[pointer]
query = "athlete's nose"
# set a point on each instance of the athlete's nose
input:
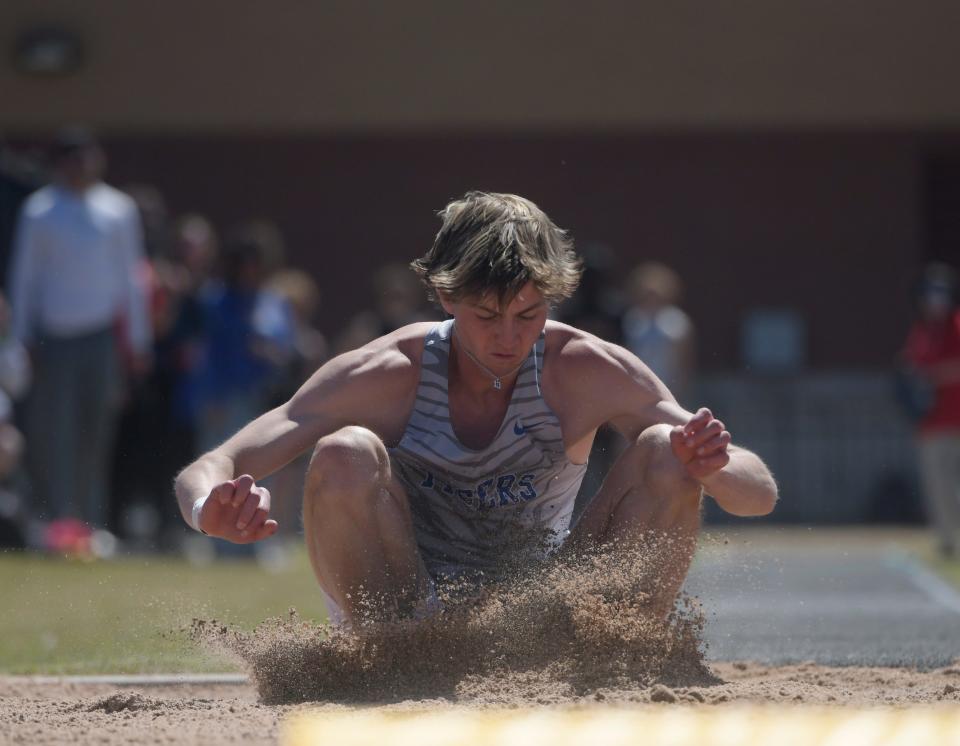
(509, 333)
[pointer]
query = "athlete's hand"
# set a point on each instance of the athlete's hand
(238, 511)
(701, 444)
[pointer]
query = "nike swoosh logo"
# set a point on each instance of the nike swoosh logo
(518, 429)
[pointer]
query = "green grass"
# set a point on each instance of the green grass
(62, 616)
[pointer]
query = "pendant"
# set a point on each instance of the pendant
(496, 384)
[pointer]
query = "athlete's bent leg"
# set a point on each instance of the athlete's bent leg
(648, 497)
(358, 529)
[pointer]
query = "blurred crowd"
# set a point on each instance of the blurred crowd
(929, 391)
(132, 340)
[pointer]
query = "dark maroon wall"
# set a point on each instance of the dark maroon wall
(828, 224)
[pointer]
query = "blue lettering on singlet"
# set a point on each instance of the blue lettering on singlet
(528, 492)
(484, 500)
(469, 498)
(499, 491)
(504, 484)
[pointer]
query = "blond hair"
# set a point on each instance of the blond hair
(497, 243)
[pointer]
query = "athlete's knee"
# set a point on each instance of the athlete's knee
(661, 471)
(347, 463)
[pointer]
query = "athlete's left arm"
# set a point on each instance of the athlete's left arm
(631, 398)
(736, 478)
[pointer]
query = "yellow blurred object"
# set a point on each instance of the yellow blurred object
(668, 726)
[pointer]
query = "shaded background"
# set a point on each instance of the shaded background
(800, 158)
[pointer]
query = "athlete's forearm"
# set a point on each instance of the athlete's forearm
(744, 487)
(199, 478)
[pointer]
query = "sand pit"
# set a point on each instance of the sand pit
(57, 713)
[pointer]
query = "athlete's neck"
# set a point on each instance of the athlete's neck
(476, 377)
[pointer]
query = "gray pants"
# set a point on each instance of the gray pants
(939, 457)
(72, 416)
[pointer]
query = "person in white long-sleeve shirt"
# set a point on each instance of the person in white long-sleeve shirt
(77, 294)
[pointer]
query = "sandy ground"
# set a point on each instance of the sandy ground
(578, 634)
(56, 713)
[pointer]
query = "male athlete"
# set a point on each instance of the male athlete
(432, 444)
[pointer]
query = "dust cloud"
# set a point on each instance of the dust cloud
(574, 625)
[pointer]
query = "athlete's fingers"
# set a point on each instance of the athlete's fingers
(222, 493)
(259, 518)
(678, 442)
(698, 421)
(260, 515)
(268, 529)
(711, 430)
(716, 443)
(253, 502)
(242, 485)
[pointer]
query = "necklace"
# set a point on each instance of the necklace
(497, 383)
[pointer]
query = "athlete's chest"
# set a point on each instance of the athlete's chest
(476, 421)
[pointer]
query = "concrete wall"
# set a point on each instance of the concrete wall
(428, 65)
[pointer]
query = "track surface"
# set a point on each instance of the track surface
(831, 602)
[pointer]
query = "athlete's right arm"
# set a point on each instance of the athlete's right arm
(218, 494)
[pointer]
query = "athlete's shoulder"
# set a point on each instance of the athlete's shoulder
(567, 346)
(372, 385)
(395, 354)
(590, 379)
(407, 341)
(581, 373)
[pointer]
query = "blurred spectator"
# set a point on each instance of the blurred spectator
(155, 218)
(249, 340)
(194, 253)
(169, 405)
(656, 330)
(310, 349)
(597, 306)
(14, 381)
(15, 378)
(398, 300)
(141, 508)
(75, 282)
(932, 355)
(269, 240)
(181, 344)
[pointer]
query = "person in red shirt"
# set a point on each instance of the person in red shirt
(932, 354)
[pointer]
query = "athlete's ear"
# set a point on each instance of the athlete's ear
(446, 302)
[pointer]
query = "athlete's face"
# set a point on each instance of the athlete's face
(499, 337)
